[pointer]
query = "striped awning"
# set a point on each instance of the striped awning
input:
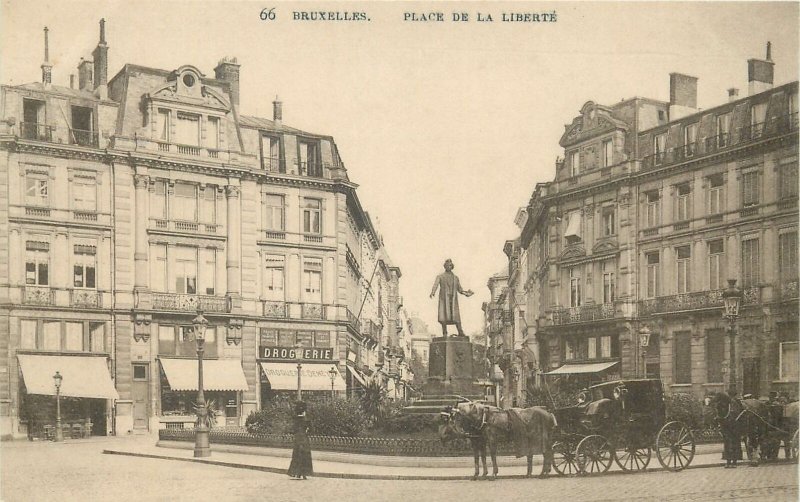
(218, 374)
(82, 376)
(572, 369)
(357, 375)
(313, 376)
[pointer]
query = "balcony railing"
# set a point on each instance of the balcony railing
(370, 328)
(83, 138)
(38, 295)
(36, 131)
(698, 300)
(353, 321)
(185, 226)
(312, 311)
(272, 165)
(276, 235)
(310, 168)
(190, 303)
(789, 290)
(584, 313)
(39, 212)
(85, 298)
(276, 309)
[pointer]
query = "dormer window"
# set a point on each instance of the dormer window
(309, 158)
(187, 131)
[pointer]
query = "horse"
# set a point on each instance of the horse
(741, 419)
(486, 426)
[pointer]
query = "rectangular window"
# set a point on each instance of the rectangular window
(689, 139)
(605, 346)
(271, 154)
(166, 339)
(208, 271)
(574, 287)
(609, 221)
(27, 334)
(715, 194)
(715, 355)
(185, 270)
(185, 207)
(84, 267)
(186, 343)
(312, 214)
(305, 338)
(682, 341)
(570, 349)
(51, 335)
(788, 362)
(716, 264)
(683, 202)
(274, 277)
(158, 267)
(84, 193)
(653, 201)
(788, 179)
(575, 163)
(37, 189)
(187, 131)
(37, 262)
(758, 116)
(723, 129)
(213, 133)
(162, 125)
(653, 266)
(268, 337)
(684, 268)
(750, 188)
(573, 222)
(274, 212)
(286, 338)
(74, 336)
(609, 285)
(322, 339)
(158, 199)
(312, 280)
(793, 105)
(97, 335)
(787, 256)
(750, 263)
(592, 352)
(659, 147)
(208, 204)
(608, 153)
(309, 159)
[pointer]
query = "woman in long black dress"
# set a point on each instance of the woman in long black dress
(301, 453)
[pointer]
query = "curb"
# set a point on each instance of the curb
(275, 470)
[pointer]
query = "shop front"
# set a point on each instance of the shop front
(319, 373)
(85, 393)
(223, 384)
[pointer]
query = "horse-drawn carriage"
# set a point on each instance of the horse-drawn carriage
(620, 421)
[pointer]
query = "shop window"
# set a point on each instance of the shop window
(27, 329)
(715, 355)
(97, 336)
(683, 357)
(51, 335)
(73, 339)
(305, 338)
(592, 353)
(268, 337)
(180, 341)
(605, 346)
(286, 338)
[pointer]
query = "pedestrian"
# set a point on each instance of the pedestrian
(731, 436)
(301, 453)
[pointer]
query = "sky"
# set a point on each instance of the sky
(446, 126)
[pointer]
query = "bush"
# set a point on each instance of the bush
(274, 418)
(337, 417)
(685, 408)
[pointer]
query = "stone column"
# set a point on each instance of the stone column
(234, 251)
(141, 183)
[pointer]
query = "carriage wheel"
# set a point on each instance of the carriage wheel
(675, 446)
(794, 445)
(564, 461)
(594, 455)
(632, 458)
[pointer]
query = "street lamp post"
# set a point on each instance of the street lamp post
(201, 443)
(298, 355)
(732, 298)
(332, 373)
(57, 378)
(644, 342)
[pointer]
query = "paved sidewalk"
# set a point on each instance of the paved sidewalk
(359, 466)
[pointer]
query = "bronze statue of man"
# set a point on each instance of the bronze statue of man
(449, 286)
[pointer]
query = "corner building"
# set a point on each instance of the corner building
(129, 204)
(655, 205)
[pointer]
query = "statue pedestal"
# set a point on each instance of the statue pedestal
(450, 368)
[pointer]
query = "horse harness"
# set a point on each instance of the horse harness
(745, 409)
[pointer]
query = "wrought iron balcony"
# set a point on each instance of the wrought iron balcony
(276, 309)
(584, 313)
(83, 138)
(36, 131)
(272, 165)
(190, 303)
(698, 300)
(38, 295)
(85, 298)
(789, 290)
(370, 328)
(312, 311)
(353, 321)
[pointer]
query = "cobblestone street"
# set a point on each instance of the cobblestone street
(79, 471)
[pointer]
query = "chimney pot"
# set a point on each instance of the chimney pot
(100, 56)
(760, 73)
(47, 68)
(733, 94)
(72, 81)
(277, 110)
(85, 81)
(769, 51)
(227, 70)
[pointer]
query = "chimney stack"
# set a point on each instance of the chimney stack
(47, 68)
(100, 56)
(733, 94)
(72, 81)
(85, 82)
(760, 73)
(277, 111)
(682, 95)
(227, 70)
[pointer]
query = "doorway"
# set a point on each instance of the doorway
(141, 396)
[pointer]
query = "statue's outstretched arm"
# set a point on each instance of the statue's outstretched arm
(435, 287)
